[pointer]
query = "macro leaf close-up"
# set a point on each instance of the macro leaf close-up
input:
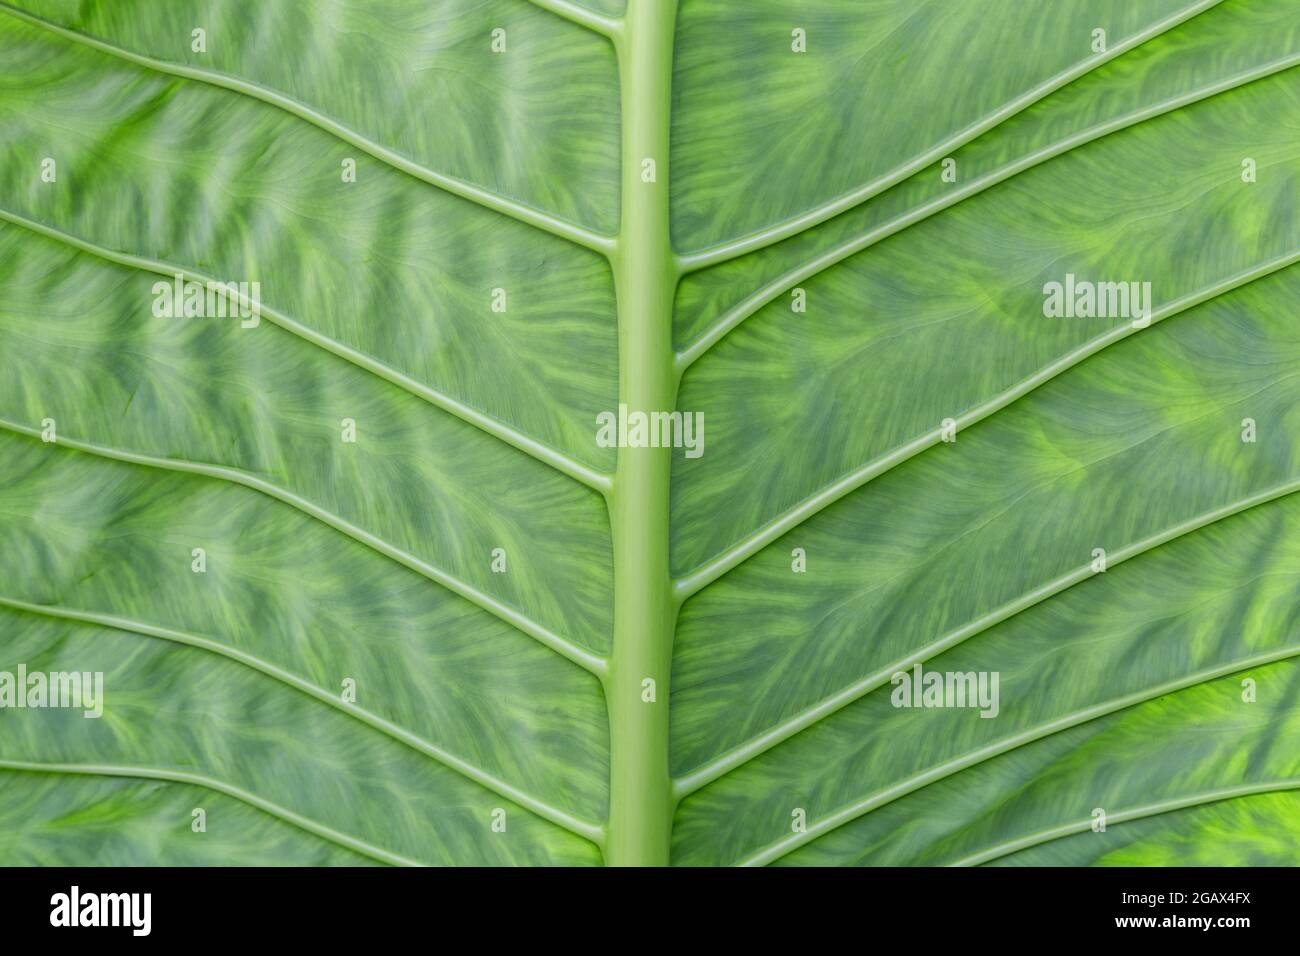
(649, 432)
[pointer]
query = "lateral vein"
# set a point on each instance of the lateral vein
(748, 306)
(575, 13)
(514, 209)
(583, 828)
(570, 467)
(743, 754)
(853, 811)
(211, 783)
(574, 653)
(1125, 816)
(759, 239)
(692, 583)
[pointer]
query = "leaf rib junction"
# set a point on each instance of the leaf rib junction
(211, 783)
(690, 584)
(575, 13)
(851, 812)
(576, 825)
(570, 467)
(486, 198)
(737, 757)
(751, 304)
(580, 656)
(732, 249)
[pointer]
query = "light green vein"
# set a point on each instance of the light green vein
(519, 211)
(578, 655)
(595, 480)
(851, 812)
(1124, 816)
(583, 828)
(574, 13)
(756, 300)
(722, 252)
(706, 574)
(211, 783)
(738, 756)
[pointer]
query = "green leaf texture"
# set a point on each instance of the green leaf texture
(477, 636)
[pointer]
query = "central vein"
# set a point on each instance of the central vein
(645, 279)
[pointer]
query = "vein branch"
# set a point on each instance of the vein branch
(583, 828)
(566, 465)
(853, 811)
(576, 13)
(747, 307)
(748, 751)
(514, 209)
(760, 239)
(211, 783)
(521, 622)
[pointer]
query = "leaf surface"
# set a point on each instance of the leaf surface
(476, 634)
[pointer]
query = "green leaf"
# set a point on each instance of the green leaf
(364, 585)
